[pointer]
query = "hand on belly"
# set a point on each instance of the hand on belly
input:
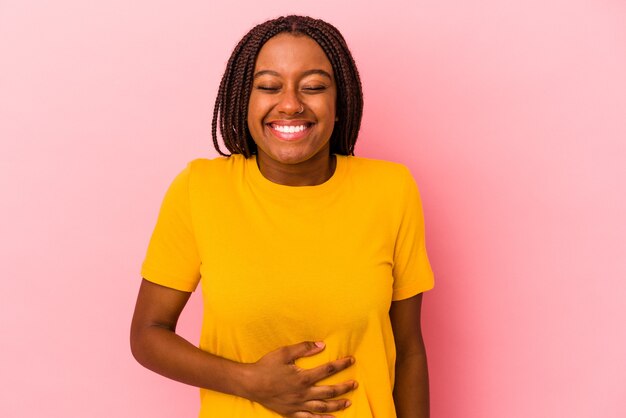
(276, 382)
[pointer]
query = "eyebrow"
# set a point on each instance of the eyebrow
(304, 74)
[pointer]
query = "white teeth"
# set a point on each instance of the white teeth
(289, 129)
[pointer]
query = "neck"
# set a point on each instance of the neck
(312, 172)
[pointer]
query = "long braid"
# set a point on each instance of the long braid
(231, 105)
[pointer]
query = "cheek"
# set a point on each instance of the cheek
(332, 106)
(324, 107)
(256, 108)
(331, 111)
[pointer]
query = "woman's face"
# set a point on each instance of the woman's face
(291, 113)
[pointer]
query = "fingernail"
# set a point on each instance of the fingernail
(352, 360)
(319, 344)
(347, 404)
(355, 385)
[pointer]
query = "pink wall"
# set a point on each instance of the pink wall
(510, 114)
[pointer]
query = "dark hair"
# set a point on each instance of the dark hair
(231, 105)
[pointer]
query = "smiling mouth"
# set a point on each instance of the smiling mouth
(291, 131)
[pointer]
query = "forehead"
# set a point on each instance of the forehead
(286, 53)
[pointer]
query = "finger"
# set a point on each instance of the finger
(304, 414)
(321, 372)
(334, 391)
(303, 349)
(323, 407)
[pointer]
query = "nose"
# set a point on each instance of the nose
(290, 103)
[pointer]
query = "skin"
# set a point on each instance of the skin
(293, 82)
(411, 394)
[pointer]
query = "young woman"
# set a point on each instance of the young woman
(312, 262)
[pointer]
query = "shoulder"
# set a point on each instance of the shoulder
(221, 167)
(390, 183)
(215, 164)
(386, 173)
(374, 166)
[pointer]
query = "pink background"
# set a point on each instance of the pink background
(511, 115)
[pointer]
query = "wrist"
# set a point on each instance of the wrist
(246, 381)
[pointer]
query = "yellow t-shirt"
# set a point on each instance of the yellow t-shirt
(282, 264)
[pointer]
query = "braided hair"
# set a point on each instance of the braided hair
(231, 104)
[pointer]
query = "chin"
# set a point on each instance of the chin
(292, 155)
(291, 158)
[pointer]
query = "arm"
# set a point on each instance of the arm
(410, 393)
(273, 381)
(156, 346)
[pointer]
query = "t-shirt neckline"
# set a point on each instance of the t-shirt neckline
(259, 180)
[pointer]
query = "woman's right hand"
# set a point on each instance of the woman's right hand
(274, 381)
(278, 384)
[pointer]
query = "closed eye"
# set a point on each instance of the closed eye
(314, 88)
(267, 88)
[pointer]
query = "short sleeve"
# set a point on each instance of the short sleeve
(172, 259)
(412, 273)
